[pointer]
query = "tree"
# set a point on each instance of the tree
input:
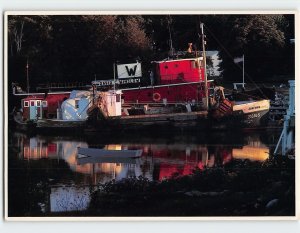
(259, 38)
(73, 48)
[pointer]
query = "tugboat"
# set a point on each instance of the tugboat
(171, 82)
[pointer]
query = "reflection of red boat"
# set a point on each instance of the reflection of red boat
(167, 171)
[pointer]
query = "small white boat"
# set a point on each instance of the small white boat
(95, 155)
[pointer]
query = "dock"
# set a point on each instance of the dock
(286, 142)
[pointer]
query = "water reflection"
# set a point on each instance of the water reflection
(159, 161)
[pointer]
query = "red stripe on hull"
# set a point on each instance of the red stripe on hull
(172, 93)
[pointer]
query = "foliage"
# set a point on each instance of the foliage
(78, 48)
(72, 48)
(261, 39)
(130, 185)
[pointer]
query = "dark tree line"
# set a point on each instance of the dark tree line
(80, 48)
(264, 40)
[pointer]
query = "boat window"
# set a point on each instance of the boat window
(44, 103)
(38, 103)
(118, 99)
(26, 104)
(76, 103)
(32, 103)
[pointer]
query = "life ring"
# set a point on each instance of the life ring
(156, 97)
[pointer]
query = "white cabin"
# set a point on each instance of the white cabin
(111, 103)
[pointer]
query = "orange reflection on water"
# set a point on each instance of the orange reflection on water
(252, 153)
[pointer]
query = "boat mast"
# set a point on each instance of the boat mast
(243, 71)
(114, 77)
(170, 37)
(204, 65)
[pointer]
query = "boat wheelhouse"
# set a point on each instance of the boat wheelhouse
(39, 106)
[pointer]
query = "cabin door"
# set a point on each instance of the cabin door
(32, 110)
(39, 108)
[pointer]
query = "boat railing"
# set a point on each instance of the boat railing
(62, 85)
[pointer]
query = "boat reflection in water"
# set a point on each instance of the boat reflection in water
(159, 161)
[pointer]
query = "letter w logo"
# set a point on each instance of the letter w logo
(131, 71)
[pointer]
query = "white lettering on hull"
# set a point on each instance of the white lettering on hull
(254, 115)
(101, 83)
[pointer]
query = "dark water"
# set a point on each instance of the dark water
(45, 175)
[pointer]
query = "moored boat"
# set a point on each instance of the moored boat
(237, 114)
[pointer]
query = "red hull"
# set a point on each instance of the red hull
(173, 93)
